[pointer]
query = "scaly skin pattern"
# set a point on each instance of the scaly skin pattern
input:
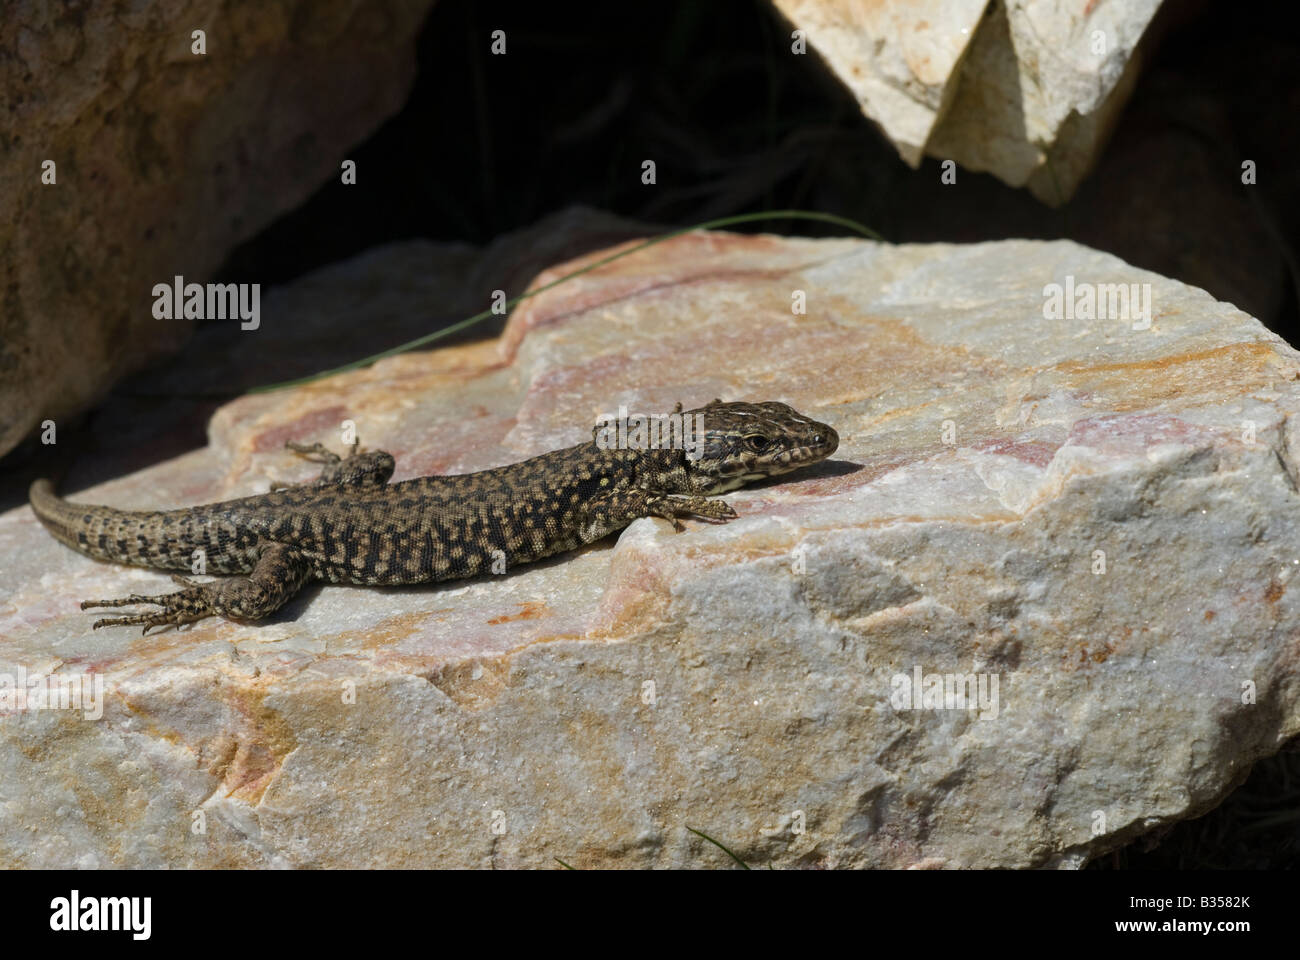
(352, 526)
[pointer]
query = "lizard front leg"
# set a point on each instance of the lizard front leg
(278, 574)
(616, 509)
(671, 507)
(372, 469)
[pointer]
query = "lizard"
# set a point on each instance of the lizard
(351, 525)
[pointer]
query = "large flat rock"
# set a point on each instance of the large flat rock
(1097, 518)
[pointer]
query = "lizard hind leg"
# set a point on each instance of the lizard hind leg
(277, 576)
(372, 469)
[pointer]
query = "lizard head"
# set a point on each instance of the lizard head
(749, 441)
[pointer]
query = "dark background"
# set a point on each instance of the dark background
(735, 124)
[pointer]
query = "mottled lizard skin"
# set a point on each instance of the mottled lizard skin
(352, 526)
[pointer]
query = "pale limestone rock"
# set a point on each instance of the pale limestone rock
(1026, 90)
(740, 679)
(165, 159)
(1040, 90)
(898, 57)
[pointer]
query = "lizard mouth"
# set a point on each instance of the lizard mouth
(821, 445)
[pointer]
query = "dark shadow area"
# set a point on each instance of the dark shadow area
(294, 609)
(814, 471)
(736, 123)
(1256, 828)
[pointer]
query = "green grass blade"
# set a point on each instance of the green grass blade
(483, 315)
(719, 846)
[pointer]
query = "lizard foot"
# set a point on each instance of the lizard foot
(185, 606)
(670, 508)
(361, 469)
(318, 453)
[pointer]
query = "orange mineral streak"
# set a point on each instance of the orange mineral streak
(250, 756)
(529, 610)
(1216, 372)
(245, 754)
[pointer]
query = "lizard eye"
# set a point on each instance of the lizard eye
(757, 442)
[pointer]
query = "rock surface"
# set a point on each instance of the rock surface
(899, 59)
(1095, 517)
(1026, 90)
(164, 160)
(1040, 91)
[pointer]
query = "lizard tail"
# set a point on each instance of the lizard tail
(100, 532)
(54, 512)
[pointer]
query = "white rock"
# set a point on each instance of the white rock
(1099, 523)
(1026, 90)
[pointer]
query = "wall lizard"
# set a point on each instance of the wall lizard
(352, 526)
